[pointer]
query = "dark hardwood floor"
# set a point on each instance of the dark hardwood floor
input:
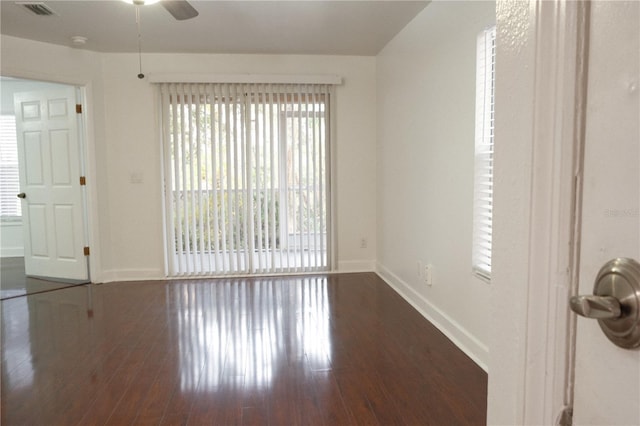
(323, 350)
(15, 283)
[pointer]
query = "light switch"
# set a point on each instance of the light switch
(136, 177)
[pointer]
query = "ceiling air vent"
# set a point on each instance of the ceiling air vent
(37, 7)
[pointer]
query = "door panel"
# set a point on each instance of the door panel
(30, 110)
(64, 220)
(58, 108)
(60, 158)
(48, 151)
(37, 214)
(33, 164)
(607, 378)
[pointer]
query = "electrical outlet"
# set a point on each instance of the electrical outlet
(428, 275)
(363, 243)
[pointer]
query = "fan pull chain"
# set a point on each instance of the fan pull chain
(140, 75)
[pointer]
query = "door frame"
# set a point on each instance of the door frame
(541, 74)
(87, 152)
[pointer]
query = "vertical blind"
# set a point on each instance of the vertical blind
(247, 169)
(483, 176)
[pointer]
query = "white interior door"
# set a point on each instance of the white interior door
(607, 378)
(52, 207)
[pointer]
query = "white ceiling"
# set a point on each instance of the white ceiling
(268, 27)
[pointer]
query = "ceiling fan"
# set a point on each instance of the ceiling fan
(179, 9)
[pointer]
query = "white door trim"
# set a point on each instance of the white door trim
(539, 116)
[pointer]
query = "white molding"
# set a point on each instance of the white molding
(244, 78)
(107, 276)
(47, 77)
(92, 213)
(113, 275)
(11, 251)
(462, 338)
(557, 138)
(533, 280)
(350, 266)
(11, 245)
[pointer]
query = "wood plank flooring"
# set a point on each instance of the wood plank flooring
(15, 283)
(322, 350)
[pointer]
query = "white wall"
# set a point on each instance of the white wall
(42, 61)
(426, 107)
(132, 135)
(127, 217)
(11, 240)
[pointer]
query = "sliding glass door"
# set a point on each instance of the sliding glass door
(247, 178)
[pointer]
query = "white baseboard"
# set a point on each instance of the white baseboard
(464, 340)
(129, 275)
(12, 252)
(349, 266)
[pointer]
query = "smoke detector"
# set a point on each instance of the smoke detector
(79, 41)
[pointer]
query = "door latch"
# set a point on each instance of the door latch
(615, 302)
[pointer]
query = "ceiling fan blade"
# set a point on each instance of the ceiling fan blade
(180, 9)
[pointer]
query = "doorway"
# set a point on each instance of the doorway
(40, 227)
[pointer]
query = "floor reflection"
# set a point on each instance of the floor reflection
(42, 340)
(17, 367)
(15, 283)
(245, 332)
(337, 349)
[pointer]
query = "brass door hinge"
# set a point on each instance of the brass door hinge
(566, 417)
(83, 181)
(86, 251)
(78, 108)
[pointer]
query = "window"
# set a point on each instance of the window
(10, 207)
(483, 175)
(247, 178)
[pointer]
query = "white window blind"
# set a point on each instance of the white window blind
(10, 206)
(247, 177)
(483, 176)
